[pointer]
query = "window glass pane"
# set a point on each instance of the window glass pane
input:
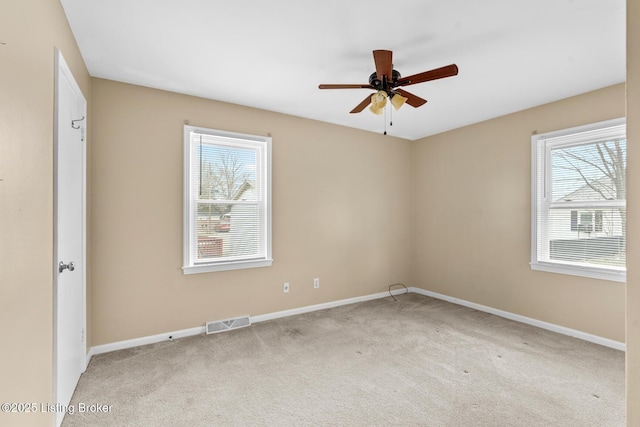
(227, 231)
(597, 240)
(224, 173)
(589, 172)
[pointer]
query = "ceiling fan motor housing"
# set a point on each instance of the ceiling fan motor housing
(379, 84)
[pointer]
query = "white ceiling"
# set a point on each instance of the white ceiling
(512, 54)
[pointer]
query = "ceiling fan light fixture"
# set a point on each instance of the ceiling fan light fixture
(398, 100)
(378, 102)
(375, 110)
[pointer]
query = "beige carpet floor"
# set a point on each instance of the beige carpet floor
(412, 362)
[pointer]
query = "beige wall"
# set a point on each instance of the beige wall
(472, 210)
(633, 217)
(29, 30)
(341, 212)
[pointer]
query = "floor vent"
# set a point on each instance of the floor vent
(216, 326)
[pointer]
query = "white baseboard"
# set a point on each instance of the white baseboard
(200, 330)
(152, 339)
(527, 320)
(316, 307)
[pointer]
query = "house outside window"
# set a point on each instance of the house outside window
(587, 221)
(579, 201)
(227, 200)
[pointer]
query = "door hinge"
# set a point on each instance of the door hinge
(82, 337)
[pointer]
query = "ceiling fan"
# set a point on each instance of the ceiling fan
(386, 81)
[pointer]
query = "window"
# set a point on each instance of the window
(227, 200)
(579, 201)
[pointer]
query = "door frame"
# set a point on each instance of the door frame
(62, 71)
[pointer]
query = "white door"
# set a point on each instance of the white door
(69, 234)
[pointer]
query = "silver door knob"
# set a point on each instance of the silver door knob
(62, 266)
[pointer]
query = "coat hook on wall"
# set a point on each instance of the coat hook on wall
(73, 123)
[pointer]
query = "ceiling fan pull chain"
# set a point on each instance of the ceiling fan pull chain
(385, 121)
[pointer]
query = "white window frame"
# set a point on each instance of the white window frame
(540, 182)
(262, 145)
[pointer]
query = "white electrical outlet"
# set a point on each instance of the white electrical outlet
(316, 283)
(285, 287)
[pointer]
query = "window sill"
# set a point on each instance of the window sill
(575, 270)
(224, 266)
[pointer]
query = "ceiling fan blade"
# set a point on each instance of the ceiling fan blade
(413, 100)
(384, 63)
(438, 73)
(362, 105)
(347, 86)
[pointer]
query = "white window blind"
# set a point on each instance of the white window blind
(579, 201)
(227, 200)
